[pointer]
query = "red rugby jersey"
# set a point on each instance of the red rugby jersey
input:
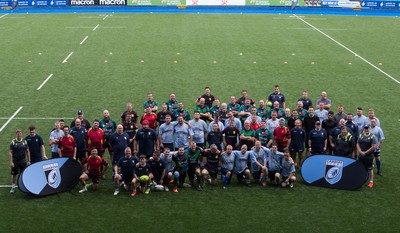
(282, 135)
(67, 145)
(95, 139)
(94, 164)
(152, 118)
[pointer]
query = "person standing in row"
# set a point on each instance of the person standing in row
(366, 146)
(36, 145)
(108, 125)
(19, 152)
(79, 133)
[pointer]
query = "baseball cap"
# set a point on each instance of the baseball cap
(367, 126)
(281, 119)
(318, 123)
(80, 112)
(145, 122)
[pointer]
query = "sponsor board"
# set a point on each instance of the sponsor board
(112, 2)
(5, 3)
(381, 4)
(21, 185)
(273, 2)
(33, 3)
(341, 3)
(82, 2)
(215, 2)
(334, 172)
(156, 2)
(50, 176)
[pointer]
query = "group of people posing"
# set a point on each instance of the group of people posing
(265, 141)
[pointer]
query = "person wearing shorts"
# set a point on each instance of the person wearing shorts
(259, 156)
(296, 146)
(242, 170)
(19, 151)
(275, 165)
(181, 160)
(288, 171)
(125, 171)
(93, 170)
(194, 153)
(227, 162)
(366, 146)
(211, 167)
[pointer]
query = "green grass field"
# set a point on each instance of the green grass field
(207, 50)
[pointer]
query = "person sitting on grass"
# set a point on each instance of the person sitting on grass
(92, 170)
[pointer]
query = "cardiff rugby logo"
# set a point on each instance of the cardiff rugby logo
(52, 173)
(333, 171)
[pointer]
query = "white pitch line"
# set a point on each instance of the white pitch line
(78, 27)
(351, 51)
(96, 27)
(113, 27)
(6, 186)
(44, 82)
(325, 29)
(66, 59)
(83, 41)
(3, 16)
(38, 118)
(10, 119)
(105, 17)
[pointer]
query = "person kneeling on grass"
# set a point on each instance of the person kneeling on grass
(211, 167)
(124, 171)
(241, 169)
(92, 170)
(259, 157)
(158, 170)
(275, 164)
(227, 161)
(288, 171)
(144, 174)
(181, 160)
(166, 156)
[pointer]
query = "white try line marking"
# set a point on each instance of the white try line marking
(6, 186)
(3, 16)
(105, 17)
(325, 29)
(78, 27)
(66, 59)
(15, 17)
(113, 27)
(38, 118)
(351, 51)
(44, 82)
(10, 119)
(96, 27)
(83, 41)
